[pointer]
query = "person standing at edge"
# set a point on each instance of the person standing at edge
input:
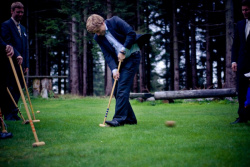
(119, 42)
(241, 59)
(14, 34)
(9, 51)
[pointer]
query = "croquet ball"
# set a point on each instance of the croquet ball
(38, 111)
(170, 123)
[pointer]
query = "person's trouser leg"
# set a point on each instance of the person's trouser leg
(242, 92)
(123, 109)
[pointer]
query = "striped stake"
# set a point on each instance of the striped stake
(111, 95)
(27, 92)
(2, 123)
(37, 143)
(24, 121)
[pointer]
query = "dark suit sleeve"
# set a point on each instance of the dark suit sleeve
(2, 45)
(236, 45)
(125, 28)
(6, 35)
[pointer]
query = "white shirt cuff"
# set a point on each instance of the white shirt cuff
(122, 49)
(233, 62)
(114, 70)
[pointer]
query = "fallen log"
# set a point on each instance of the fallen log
(141, 95)
(186, 94)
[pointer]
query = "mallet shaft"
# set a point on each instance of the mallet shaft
(15, 104)
(24, 102)
(27, 92)
(111, 95)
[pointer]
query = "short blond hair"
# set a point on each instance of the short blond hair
(94, 22)
(15, 5)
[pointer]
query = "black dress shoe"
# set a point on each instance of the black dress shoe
(9, 118)
(239, 120)
(16, 117)
(5, 135)
(114, 123)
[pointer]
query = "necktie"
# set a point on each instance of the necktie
(19, 29)
(248, 37)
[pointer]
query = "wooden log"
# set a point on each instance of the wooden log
(36, 87)
(141, 95)
(186, 94)
(46, 76)
(46, 87)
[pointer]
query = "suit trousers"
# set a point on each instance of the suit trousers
(11, 83)
(123, 109)
(242, 87)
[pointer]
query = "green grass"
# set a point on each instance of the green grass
(69, 127)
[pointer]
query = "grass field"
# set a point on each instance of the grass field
(69, 127)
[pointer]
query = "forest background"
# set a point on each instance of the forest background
(190, 46)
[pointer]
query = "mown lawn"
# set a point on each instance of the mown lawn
(69, 127)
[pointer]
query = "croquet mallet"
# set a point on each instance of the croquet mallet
(2, 123)
(37, 143)
(24, 121)
(111, 95)
(27, 92)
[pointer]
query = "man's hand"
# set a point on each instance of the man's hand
(26, 70)
(116, 75)
(121, 57)
(234, 67)
(19, 59)
(9, 50)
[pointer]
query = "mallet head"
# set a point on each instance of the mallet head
(26, 122)
(103, 125)
(37, 144)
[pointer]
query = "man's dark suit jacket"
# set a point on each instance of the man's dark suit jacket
(241, 55)
(10, 35)
(2, 45)
(122, 32)
(241, 48)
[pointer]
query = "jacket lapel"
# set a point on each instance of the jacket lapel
(15, 28)
(243, 27)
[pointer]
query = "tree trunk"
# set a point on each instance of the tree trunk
(219, 79)
(47, 62)
(187, 59)
(80, 60)
(230, 75)
(193, 54)
(85, 51)
(59, 70)
(37, 48)
(28, 36)
(142, 71)
(108, 73)
(90, 77)
(65, 88)
(74, 85)
(148, 46)
(175, 48)
(208, 54)
(135, 82)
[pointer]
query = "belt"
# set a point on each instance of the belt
(135, 53)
